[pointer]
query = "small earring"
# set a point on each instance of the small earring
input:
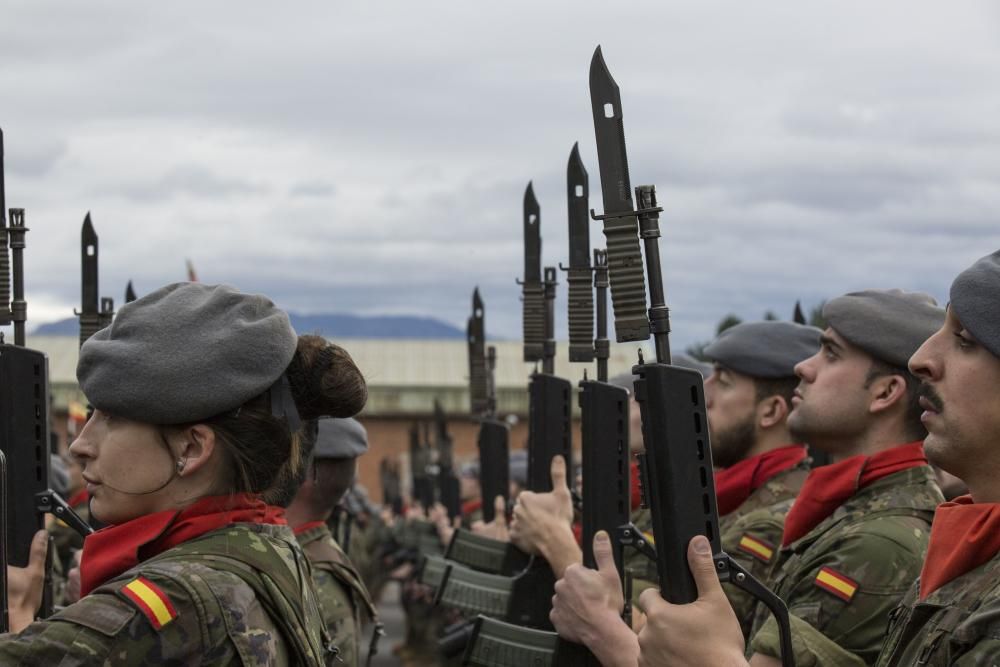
(180, 465)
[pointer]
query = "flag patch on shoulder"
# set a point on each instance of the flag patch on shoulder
(833, 582)
(756, 547)
(151, 601)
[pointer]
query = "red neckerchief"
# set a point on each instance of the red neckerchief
(828, 487)
(113, 550)
(81, 497)
(735, 484)
(470, 506)
(309, 525)
(578, 533)
(635, 488)
(964, 535)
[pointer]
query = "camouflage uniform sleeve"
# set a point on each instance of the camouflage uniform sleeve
(106, 628)
(847, 591)
(811, 647)
(752, 541)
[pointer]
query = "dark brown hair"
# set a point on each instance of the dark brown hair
(262, 450)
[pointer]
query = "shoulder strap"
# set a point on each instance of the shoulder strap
(323, 554)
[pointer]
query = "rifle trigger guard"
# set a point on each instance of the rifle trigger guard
(733, 573)
(630, 536)
(50, 502)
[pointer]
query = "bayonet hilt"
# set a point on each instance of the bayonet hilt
(18, 306)
(491, 383)
(602, 346)
(549, 345)
(476, 338)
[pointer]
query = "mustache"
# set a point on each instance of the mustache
(927, 391)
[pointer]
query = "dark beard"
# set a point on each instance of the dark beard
(731, 446)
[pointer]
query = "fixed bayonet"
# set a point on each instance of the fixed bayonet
(129, 293)
(532, 292)
(628, 290)
(476, 336)
(90, 315)
(581, 294)
(678, 483)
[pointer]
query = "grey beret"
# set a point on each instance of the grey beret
(518, 463)
(767, 350)
(340, 439)
(975, 300)
(684, 361)
(887, 324)
(187, 351)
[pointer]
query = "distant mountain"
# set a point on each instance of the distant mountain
(331, 325)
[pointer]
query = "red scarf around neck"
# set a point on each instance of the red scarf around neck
(734, 484)
(308, 525)
(964, 535)
(81, 497)
(115, 549)
(470, 506)
(830, 486)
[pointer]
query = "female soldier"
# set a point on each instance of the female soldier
(197, 393)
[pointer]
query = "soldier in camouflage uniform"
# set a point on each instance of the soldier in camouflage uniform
(182, 574)
(344, 600)
(949, 615)
(855, 539)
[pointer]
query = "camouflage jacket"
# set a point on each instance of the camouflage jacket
(750, 534)
(958, 624)
(844, 577)
(342, 595)
(240, 595)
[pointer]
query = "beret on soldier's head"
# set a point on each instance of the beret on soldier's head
(340, 439)
(186, 352)
(684, 361)
(975, 300)
(887, 324)
(767, 350)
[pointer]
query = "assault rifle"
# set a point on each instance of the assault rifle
(605, 421)
(449, 491)
(24, 419)
(526, 598)
(676, 469)
(422, 484)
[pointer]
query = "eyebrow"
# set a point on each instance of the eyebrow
(829, 341)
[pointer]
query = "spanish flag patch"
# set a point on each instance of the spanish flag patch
(151, 601)
(648, 535)
(837, 584)
(756, 547)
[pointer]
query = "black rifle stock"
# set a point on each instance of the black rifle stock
(494, 449)
(447, 481)
(422, 485)
(676, 468)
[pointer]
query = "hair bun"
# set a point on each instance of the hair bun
(325, 381)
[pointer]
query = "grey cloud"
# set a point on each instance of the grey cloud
(191, 180)
(312, 189)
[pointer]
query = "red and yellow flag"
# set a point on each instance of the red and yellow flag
(756, 547)
(151, 601)
(834, 582)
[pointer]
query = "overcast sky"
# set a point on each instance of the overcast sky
(371, 157)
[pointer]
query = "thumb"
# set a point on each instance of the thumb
(39, 549)
(500, 510)
(558, 472)
(703, 567)
(603, 556)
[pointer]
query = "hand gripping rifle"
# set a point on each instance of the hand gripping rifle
(676, 468)
(24, 422)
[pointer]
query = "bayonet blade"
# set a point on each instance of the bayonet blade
(533, 297)
(581, 291)
(90, 317)
(798, 317)
(628, 285)
(129, 293)
(532, 237)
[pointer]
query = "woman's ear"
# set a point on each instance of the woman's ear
(196, 448)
